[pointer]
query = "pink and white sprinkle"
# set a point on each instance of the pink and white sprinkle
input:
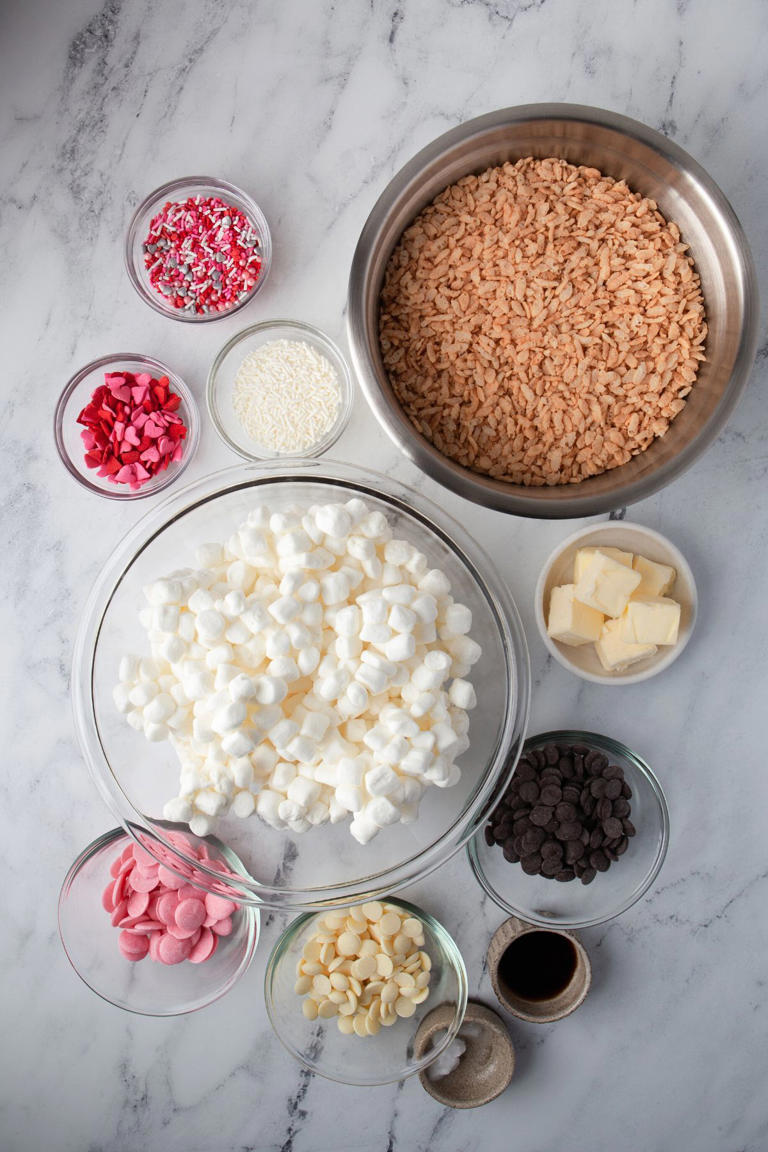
(202, 254)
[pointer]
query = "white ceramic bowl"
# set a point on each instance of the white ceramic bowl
(630, 537)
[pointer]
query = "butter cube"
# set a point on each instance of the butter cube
(584, 555)
(657, 579)
(616, 654)
(571, 622)
(651, 620)
(606, 585)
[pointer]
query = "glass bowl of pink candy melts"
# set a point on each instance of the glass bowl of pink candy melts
(141, 933)
(127, 452)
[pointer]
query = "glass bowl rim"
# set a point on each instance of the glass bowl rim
(359, 481)
(193, 426)
(345, 386)
(449, 950)
(250, 911)
(177, 185)
(614, 747)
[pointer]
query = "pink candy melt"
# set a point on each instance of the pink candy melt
(161, 914)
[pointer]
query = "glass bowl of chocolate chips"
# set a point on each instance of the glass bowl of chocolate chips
(579, 835)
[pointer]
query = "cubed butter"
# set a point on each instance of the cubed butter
(656, 579)
(651, 620)
(584, 555)
(571, 622)
(606, 585)
(616, 654)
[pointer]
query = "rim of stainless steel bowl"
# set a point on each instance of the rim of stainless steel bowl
(384, 227)
(401, 499)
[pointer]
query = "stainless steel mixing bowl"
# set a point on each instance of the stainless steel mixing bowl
(652, 165)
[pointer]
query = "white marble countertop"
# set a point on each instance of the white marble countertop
(312, 106)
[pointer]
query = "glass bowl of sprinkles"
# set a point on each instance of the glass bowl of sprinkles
(198, 249)
(126, 426)
(280, 389)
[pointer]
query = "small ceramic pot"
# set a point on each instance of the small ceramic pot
(486, 1066)
(538, 1011)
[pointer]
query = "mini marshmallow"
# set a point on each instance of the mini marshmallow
(121, 694)
(220, 654)
(402, 619)
(282, 734)
(371, 678)
(237, 743)
(269, 689)
(307, 660)
(381, 780)
(267, 805)
(400, 648)
(282, 775)
(303, 792)
(284, 609)
(209, 555)
(164, 592)
(333, 520)
(231, 716)
(159, 708)
(301, 749)
(243, 804)
(462, 694)
(381, 812)
(349, 797)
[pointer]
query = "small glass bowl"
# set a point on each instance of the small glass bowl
(146, 988)
(388, 1056)
(77, 394)
(550, 904)
(181, 190)
(221, 381)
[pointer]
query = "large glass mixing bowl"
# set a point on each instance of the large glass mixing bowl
(324, 865)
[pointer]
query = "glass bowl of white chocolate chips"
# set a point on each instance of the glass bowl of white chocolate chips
(315, 664)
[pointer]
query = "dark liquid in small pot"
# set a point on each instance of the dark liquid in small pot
(538, 965)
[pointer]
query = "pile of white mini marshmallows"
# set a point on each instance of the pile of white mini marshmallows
(302, 672)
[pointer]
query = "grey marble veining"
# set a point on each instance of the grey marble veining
(312, 106)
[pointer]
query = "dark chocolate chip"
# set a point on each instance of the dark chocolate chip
(613, 789)
(597, 787)
(603, 809)
(541, 815)
(531, 864)
(629, 828)
(509, 852)
(532, 840)
(622, 846)
(621, 807)
(551, 795)
(552, 753)
(572, 793)
(588, 875)
(490, 839)
(525, 771)
(626, 791)
(612, 828)
(574, 850)
(565, 811)
(596, 839)
(550, 866)
(529, 791)
(565, 875)
(613, 772)
(600, 861)
(565, 766)
(552, 848)
(569, 830)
